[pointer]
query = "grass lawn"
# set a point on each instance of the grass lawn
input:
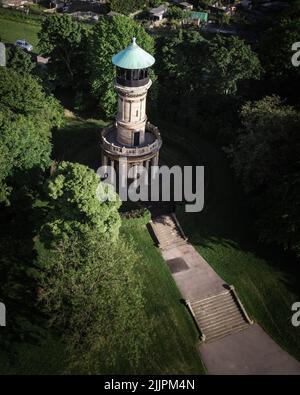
(267, 280)
(174, 339)
(10, 31)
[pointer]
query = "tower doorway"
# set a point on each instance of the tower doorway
(136, 139)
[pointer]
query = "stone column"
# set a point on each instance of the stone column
(147, 163)
(123, 172)
(104, 159)
(155, 160)
(112, 164)
(134, 170)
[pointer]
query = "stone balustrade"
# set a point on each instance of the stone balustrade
(131, 151)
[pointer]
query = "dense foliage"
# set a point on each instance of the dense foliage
(63, 39)
(91, 290)
(177, 13)
(26, 118)
(126, 7)
(276, 49)
(204, 76)
(19, 60)
(76, 202)
(266, 158)
(213, 66)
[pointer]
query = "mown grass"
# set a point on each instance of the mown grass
(266, 279)
(174, 338)
(10, 31)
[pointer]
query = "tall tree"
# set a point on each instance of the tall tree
(204, 77)
(111, 35)
(276, 50)
(26, 118)
(63, 39)
(266, 158)
(91, 290)
(89, 285)
(211, 66)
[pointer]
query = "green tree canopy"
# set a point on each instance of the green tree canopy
(26, 118)
(176, 12)
(212, 66)
(76, 203)
(109, 36)
(63, 39)
(266, 158)
(276, 50)
(91, 290)
(19, 60)
(155, 3)
(126, 7)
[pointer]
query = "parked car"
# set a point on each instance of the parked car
(24, 45)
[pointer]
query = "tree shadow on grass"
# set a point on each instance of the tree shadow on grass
(78, 141)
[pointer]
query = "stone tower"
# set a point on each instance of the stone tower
(131, 137)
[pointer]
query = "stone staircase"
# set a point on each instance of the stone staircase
(167, 231)
(219, 315)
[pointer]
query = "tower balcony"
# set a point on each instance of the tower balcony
(112, 147)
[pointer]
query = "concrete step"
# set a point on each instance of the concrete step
(218, 315)
(204, 319)
(216, 308)
(211, 298)
(172, 246)
(170, 238)
(178, 244)
(167, 232)
(222, 322)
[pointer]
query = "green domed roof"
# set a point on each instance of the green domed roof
(133, 57)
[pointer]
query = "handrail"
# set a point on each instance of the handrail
(202, 335)
(173, 215)
(241, 304)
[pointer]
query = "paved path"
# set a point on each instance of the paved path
(200, 280)
(250, 351)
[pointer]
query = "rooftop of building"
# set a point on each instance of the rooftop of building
(203, 16)
(158, 10)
